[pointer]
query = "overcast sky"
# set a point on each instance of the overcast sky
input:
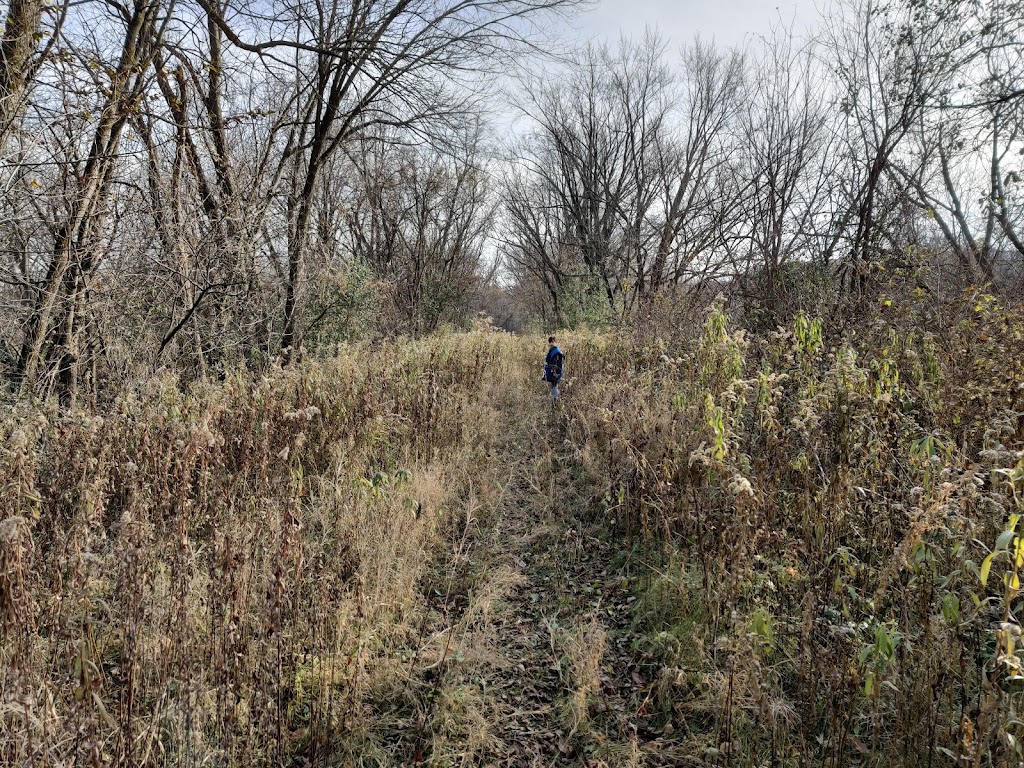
(729, 22)
(726, 22)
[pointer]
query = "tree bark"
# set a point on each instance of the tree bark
(21, 35)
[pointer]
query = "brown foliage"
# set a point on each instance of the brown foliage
(819, 513)
(231, 571)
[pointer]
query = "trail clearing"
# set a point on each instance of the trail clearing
(545, 663)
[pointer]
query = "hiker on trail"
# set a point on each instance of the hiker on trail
(553, 364)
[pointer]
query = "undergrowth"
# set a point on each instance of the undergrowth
(252, 571)
(832, 526)
(821, 530)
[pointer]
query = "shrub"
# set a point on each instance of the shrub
(850, 506)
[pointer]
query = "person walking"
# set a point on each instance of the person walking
(554, 365)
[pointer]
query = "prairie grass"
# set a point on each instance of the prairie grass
(581, 650)
(821, 528)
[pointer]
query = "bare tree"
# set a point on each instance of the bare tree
(785, 164)
(175, 155)
(23, 31)
(360, 67)
(54, 335)
(694, 204)
(534, 244)
(420, 220)
(885, 77)
(958, 168)
(583, 206)
(621, 183)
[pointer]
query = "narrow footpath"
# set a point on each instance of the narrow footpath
(547, 666)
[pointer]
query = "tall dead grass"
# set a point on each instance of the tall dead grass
(280, 569)
(839, 516)
(229, 573)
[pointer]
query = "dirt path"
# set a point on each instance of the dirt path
(530, 685)
(550, 659)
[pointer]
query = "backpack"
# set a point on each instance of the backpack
(553, 365)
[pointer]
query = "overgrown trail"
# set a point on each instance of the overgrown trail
(760, 551)
(526, 542)
(550, 658)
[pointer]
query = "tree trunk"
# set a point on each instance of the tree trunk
(48, 352)
(21, 34)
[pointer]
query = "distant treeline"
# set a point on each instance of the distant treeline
(196, 183)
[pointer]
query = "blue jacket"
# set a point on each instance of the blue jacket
(553, 365)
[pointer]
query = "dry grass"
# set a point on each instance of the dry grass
(816, 512)
(229, 573)
(305, 567)
(579, 652)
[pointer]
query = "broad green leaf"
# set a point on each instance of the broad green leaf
(883, 643)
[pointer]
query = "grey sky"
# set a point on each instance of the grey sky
(728, 22)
